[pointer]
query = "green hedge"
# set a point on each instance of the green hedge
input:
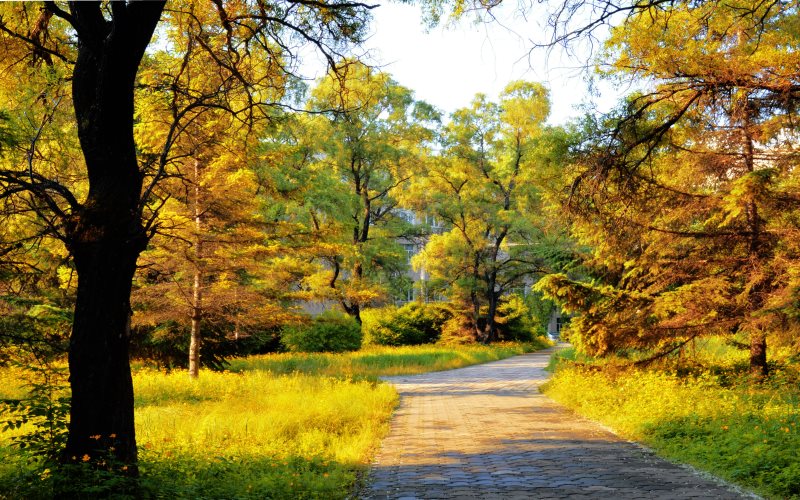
(329, 332)
(413, 324)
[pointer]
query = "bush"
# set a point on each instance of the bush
(514, 321)
(328, 332)
(458, 330)
(167, 345)
(372, 320)
(413, 324)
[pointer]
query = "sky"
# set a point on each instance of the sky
(449, 65)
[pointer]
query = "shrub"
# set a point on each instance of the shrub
(328, 332)
(413, 324)
(514, 321)
(372, 320)
(458, 330)
(167, 345)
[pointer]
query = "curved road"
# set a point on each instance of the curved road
(485, 432)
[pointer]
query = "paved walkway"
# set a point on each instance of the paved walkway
(485, 432)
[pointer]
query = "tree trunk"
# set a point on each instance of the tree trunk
(758, 355)
(101, 413)
(354, 308)
(758, 338)
(476, 314)
(491, 315)
(197, 315)
(197, 291)
(105, 237)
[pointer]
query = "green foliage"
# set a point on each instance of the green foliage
(290, 425)
(42, 412)
(540, 310)
(378, 361)
(458, 330)
(486, 188)
(32, 328)
(413, 324)
(711, 417)
(371, 319)
(166, 346)
(328, 332)
(7, 138)
(514, 320)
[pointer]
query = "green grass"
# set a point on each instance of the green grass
(376, 361)
(708, 415)
(275, 426)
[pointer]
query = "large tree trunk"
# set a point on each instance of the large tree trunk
(101, 413)
(106, 236)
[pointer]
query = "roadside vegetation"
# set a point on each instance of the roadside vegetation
(704, 410)
(207, 201)
(290, 425)
(379, 361)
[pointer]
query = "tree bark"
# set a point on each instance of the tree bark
(491, 315)
(758, 339)
(105, 237)
(197, 291)
(101, 413)
(758, 355)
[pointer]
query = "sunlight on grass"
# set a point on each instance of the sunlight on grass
(274, 426)
(378, 361)
(712, 418)
(288, 435)
(13, 382)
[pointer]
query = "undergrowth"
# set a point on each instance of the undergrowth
(276, 426)
(376, 361)
(703, 410)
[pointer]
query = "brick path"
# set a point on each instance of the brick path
(485, 431)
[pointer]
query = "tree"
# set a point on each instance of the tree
(207, 269)
(483, 188)
(689, 193)
(206, 262)
(98, 48)
(371, 140)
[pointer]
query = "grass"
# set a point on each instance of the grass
(707, 413)
(274, 426)
(376, 361)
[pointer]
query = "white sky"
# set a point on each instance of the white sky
(448, 66)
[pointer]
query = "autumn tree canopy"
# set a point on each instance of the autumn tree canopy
(483, 188)
(104, 213)
(688, 193)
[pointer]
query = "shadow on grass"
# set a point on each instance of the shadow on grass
(754, 449)
(166, 476)
(174, 476)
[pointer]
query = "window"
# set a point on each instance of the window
(434, 223)
(411, 250)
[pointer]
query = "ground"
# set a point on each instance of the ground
(487, 432)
